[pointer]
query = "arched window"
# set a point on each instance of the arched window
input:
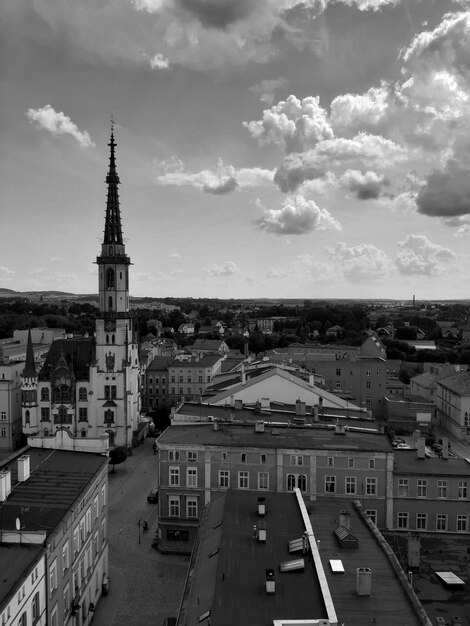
(62, 415)
(110, 303)
(290, 482)
(109, 416)
(107, 338)
(45, 394)
(82, 394)
(113, 339)
(302, 482)
(26, 417)
(110, 278)
(62, 393)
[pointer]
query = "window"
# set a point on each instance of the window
(422, 488)
(191, 507)
(95, 544)
(53, 577)
(66, 599)
(54, 620)
(224, 479)
(302, 482)
(83, 414)
(23, 621)
(191, 476)
(173, 455)
(191, 456)
(109, 416)
(35, 608)
(338, 384)
(462, 523)
(350, 462)
(3, 431)
(45, 414)
(442, 489)
(3, 415)
(76, 540)
(263, 480)
(82, 394)
(371, 463)
(110, 278)
(224, 457)
(103, 530)
(65, 557)
(441, 521)
(62, 416)
(403, 487)
(44, 394)
(103, 495)
(296, 459)
(421, 521)
(262, 458)
(372, 513)
(243, 458)
(371, 486)
(330, 484)
(368, 384)
(88, 521)
(338, 371)
(174, 476)
(368, 401)
(402, 520)
(330, 461)
(243, 480)
(174, 506)
(463, 489)
(350, 485)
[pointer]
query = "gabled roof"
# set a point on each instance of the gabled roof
(159, 363)
(287, 385)
(207, 344)
(459, 383)
(79, 354)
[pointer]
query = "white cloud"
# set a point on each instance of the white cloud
(366, 186)
(351, 113)
(297, 216)
(6, 273)
(418, 255)
(223, 179)
(274, 273)
(175, 255)
(226, 269)
(293, 124)
(159, 62)
(360, 263)
(58, 123)
(267, 88)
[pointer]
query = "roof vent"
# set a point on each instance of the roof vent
(261, 507)
(270, 581)
(259, 426)
(292, 566)
(364, 581)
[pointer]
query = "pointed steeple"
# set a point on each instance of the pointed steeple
(112, 227)
(29, 367)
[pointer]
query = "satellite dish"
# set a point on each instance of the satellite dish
(18, 524)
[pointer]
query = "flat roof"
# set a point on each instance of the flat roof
(274, 436)
(407, 462)
(231, 583)
(17, 561)
(57, 478)
(226, 579)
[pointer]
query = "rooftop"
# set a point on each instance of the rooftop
(226, 581)
(79, 354)
(274, 436)
(407, 462)
(460, 383)
(17, 561)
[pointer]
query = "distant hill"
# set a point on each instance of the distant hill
(11, 293)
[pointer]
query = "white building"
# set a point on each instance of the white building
(91, 385)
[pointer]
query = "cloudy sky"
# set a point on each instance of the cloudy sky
(266, 148)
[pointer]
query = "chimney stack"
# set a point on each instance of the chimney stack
(445, 448)
(345, 519)
(270, 581)
(421, 448)
(23, 468)
(5, 484)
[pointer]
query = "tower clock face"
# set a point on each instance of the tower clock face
(110, 325)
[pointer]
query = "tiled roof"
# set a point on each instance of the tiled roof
(159, 363)
(79, 353)
(459, 383)
(407, 462)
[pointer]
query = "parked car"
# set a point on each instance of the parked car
(153, 496)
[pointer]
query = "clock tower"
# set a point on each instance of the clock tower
(117, 361)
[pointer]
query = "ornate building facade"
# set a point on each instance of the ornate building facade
(90, 385)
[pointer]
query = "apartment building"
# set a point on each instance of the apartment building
(200, 460)
(453, 405)
(155, 392)
(23, 588)
(188, 376)
(58, 499)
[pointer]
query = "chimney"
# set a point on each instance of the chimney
(340, 429)
(238, 404)
(421, 444)
(261, 507)
(445, 448)
(216, 423)
(5, 484)
(311, 379)
(315, 413)
(364, 581)
(243, 374)
(23, 468)
(259, 426)
(345, 519)
(265, 405)
(270, 581)
(300, 408)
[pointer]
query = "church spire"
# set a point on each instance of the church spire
(29, 367)
(112, 227)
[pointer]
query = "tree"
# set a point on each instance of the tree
(116, 456)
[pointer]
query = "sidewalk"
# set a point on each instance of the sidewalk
(145, 586)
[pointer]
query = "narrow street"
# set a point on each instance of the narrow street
(145, 586)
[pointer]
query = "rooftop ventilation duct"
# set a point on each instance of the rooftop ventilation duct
(23, 468)
(364, 581)
(270, 581)
(5, 484)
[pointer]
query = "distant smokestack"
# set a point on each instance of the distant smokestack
(414, 301)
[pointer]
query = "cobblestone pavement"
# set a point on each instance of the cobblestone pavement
(145, 586)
